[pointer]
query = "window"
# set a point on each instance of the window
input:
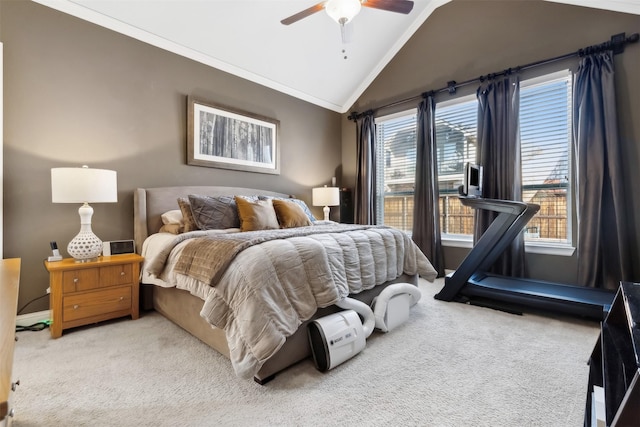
(396, 169)
(545, 133)
(456, 142)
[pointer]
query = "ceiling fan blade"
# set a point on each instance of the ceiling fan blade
(307, 12)
(399, 6)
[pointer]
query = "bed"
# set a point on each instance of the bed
(195, 298)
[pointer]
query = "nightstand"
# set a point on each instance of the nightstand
(90, 292)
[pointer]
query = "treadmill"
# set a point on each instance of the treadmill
(472, 283)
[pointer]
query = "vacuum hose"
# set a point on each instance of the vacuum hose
(369, 322)
(382, 301)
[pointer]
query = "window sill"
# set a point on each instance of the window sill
(549, 248)
(530, 247)
(457, 241)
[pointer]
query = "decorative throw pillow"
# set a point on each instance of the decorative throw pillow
(172, 228)
(187, 216)
(290, 214)
(256, 215)
(214, 213)
(299, 202)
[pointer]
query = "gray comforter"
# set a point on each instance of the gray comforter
(274, 284)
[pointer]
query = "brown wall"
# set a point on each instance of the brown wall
(463, 40)
(76, 93)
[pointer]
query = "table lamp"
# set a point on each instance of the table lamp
(326, 196)
(84, 185)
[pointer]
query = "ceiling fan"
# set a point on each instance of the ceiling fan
(343, 11)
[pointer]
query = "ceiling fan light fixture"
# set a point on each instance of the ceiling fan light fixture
(342, 11)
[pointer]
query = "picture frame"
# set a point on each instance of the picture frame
(222, 137)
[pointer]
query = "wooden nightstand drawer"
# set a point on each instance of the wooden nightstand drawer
(116, 275)
(82, 306)
(80, 280)
(94, 278)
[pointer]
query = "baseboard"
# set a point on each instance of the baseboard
(31, 318)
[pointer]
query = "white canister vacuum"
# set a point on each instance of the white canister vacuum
(338, 337)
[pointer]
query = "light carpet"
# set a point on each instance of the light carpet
(450, 365)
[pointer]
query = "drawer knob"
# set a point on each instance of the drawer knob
(15, 385)
(75, 280)
(75, 306)
(121, 298)
(122, 273)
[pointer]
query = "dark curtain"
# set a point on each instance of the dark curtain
(426, 209)
(603, 254)
(365, 191)
(499, 154)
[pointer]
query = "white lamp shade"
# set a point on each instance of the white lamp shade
(325, 196)
(344, 10)
(83, 185)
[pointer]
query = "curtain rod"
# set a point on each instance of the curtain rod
(616, 44)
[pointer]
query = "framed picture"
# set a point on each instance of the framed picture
(221, 137)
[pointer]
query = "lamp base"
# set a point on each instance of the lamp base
(326, 211)
(85, 247)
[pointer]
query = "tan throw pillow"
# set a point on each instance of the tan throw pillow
(290, 214)
(171, 228)
(256, 215)
(299, 202)
(172, 222)
(187, 215)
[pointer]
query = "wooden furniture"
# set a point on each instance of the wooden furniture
(9, 284)
(615, 362)
(90, 292)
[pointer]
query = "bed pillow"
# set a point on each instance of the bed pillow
(256, 215)
(172, 217)
(290, 214)
(214, 213)
(187, 216)
(172, 222)
(299, 202)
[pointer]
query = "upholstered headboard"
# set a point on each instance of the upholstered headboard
(150, 203)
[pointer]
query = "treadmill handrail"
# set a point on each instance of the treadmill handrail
(511, 219)
(508, 236)
(508, 206)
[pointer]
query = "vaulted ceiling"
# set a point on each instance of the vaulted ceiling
(307, 59)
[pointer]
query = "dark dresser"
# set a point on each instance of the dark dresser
(615, 364)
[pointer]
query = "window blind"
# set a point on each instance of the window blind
(456, 141)
(396, 138)
(545, 133)
(545, 141)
